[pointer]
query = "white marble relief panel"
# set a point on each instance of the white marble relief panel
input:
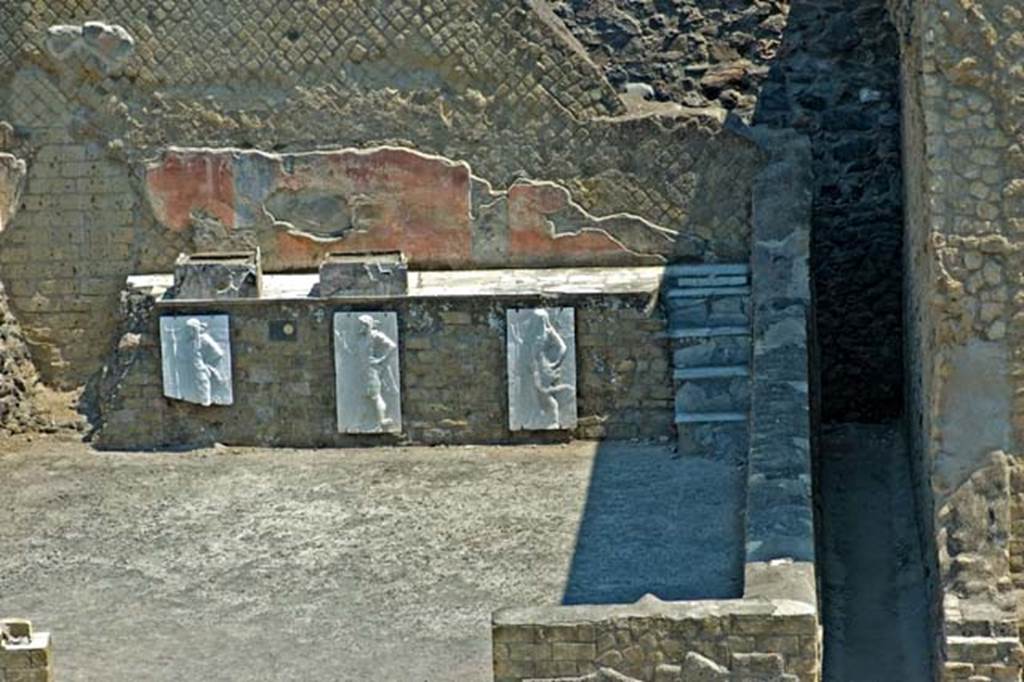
(541, 369)
(195, 352)
(366, 372)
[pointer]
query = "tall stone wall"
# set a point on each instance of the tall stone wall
(835, 80)
(962, 89)
(502, 86)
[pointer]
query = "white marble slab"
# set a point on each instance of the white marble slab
(458, 283)
(195, 353)
(366, 372)
(541, 369)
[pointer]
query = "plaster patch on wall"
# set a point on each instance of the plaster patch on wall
(107, 45)
(975, 412)
(542, 215)
(315, 212)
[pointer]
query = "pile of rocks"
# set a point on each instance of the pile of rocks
(17, 377)
(698, 53)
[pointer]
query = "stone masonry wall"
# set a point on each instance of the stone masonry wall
(17, 374)
(962, 82)
(453, 375)
(500, 85)
(652, 640)
(835, 79)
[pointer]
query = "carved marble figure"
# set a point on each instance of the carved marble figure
(367, 372)
(541, 369)
(196, 359)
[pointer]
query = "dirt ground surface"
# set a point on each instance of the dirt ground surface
(384, 564)
(875, 594)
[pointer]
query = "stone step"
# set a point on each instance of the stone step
(707, 292)
(707, 417)
(711, 372)
(723, 441)
(727, 311)
(713, 394)
(712, 281)
(705, 269)
(711, 351)
(704, 332)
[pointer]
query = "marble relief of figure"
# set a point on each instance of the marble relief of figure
(546, 358)
(542, 369)
(366, 364)
(206, 356)
(375, 347)
(196, 359)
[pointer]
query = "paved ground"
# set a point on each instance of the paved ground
(875, 603)
(384, 564)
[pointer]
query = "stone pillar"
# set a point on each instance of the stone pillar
(25, 655)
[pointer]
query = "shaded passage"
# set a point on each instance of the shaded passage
(660, 523)
(875, 600)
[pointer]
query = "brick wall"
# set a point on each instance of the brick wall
(637, 640)
(453, 374)
(63, 260)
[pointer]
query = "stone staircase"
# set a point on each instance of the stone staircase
(709, 325)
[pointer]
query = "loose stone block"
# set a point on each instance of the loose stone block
(25, 656)
(367, 372)
(196, 358)
(541, 369)
(364, 274)
(218, 275)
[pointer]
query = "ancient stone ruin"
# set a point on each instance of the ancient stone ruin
(777, 241)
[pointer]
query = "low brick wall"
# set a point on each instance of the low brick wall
(453, 374)
(647, 640)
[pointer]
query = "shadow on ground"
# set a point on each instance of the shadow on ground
(660, 523)
(874, 590)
